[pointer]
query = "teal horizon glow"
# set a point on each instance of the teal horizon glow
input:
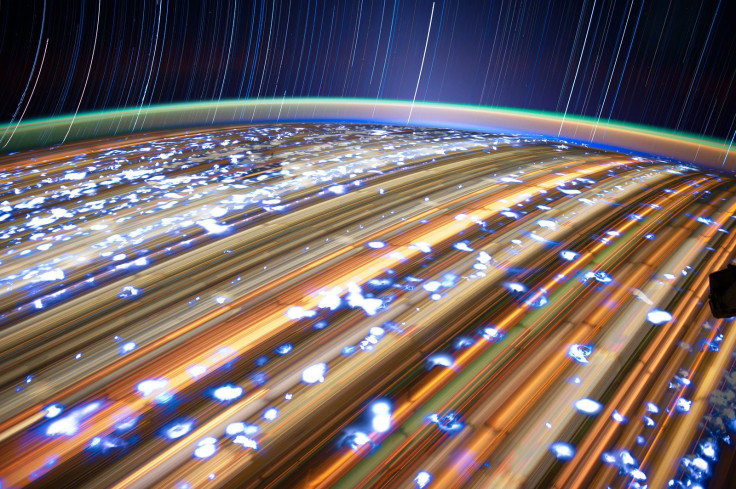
(619, 135)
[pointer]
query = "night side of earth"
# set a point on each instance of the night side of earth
(356, 305)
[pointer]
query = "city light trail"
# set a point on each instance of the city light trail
(354, 305)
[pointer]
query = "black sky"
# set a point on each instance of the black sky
(668, 63)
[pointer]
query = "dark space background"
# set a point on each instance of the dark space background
(668, 63)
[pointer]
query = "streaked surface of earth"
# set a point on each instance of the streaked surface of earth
(354, 305)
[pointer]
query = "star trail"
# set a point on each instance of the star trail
(662, 63)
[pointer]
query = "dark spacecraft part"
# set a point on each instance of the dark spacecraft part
(722, 298)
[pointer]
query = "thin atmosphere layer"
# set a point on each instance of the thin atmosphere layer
(586, 130)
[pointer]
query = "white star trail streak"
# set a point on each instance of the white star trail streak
(30, 75)
(89, 70)
(150, 68)
(421, 67)
(613, 70)
(227, 62)
(577, 69)
(33, 90)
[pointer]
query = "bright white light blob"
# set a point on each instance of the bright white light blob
(463, 246)
(600, 276)
(484, 257)
(53, 410)
(212, 227)
(568, 255)
(206, 448)
(355, 298)
(683, 405)
(330, 298)
(377, 331)
(432, 286)
(638, 474)
(234, 428)
(196, 371)
(227, 392)
(492, 334)
(441, 359)
(422, 479)
(297, 312)
(177, 430)
(618, 417)
(423, 247)
(447, 421)
(246, 442)
(69, 424)
(148, 387)
(657, 316)
(270, 414)
(580, 353)
(562, 451)
(127, 347)
(128, 292)
(547, 224)
(588, 406)
(381, 416)
(284, 349)
(314, 373)
(515, 287)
